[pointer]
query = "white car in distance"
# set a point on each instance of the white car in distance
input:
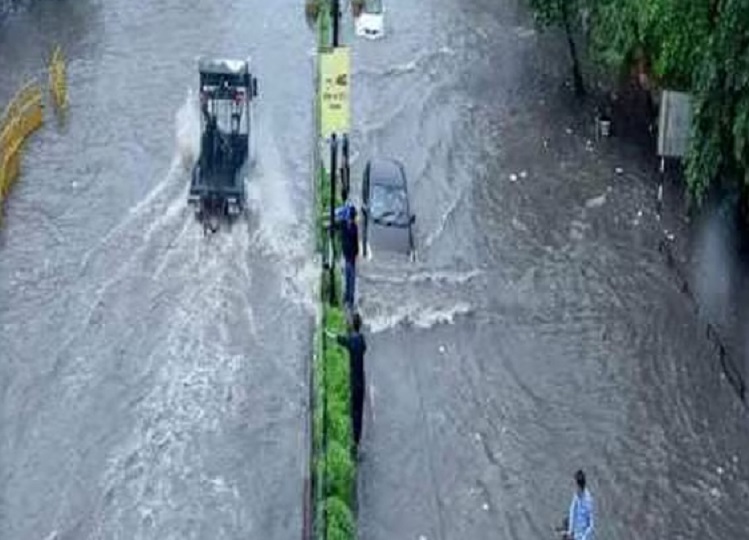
(370, 23)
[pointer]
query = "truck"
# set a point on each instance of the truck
(228, 90)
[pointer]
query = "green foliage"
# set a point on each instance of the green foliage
(340, 520)
(340, 469)
(335, 319)
(554, 12)
(720, 136)
(335, 356)
(339, 423)
(335, 467)
(563, 13)
(667, 35)
(319, 395)
(323, 207)
(697, 46)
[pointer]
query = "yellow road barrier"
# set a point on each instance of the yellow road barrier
(21, 118)
(58, 85)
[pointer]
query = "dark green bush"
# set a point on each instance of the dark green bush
(340, 520)
(340, 470)
(339, 424)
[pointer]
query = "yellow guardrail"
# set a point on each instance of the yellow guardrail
(58, 85)
(22, 116)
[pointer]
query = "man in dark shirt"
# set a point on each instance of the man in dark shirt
(355, 344)
(350, 248)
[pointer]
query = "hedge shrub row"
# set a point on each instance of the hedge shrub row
(334, 467)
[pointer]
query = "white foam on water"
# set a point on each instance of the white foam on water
(163, 203)
(187, 130)
(302, 284)
(194, 388)
(449, 277)
(413, 315)
(407, 67)
(444, 219)
(269, 197)
(596, 202)
(283, 231)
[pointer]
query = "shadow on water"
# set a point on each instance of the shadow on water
(716, 279)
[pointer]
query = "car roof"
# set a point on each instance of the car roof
(386, 172)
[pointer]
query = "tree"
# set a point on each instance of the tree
(563, 13)
(720, 135)
(697, 46)
(664, 38)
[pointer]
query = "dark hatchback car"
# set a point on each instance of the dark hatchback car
(387, 218)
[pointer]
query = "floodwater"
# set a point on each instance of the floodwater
(541, 330)
(153, 380)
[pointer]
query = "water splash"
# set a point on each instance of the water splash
(187, 131)
(447, 277)
(413, 315)
(164, 202)
(283, 231)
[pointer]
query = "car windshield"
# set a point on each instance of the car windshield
(389, 205)
(373, 6)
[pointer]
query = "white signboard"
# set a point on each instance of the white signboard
(674, 124)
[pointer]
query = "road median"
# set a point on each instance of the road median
(333, 469)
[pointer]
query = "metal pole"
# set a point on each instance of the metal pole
(335, 14)
(345, 171)
(333, 169)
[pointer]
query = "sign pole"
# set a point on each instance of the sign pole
(335, 13)
(345, 169)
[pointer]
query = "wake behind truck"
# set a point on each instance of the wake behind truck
(217, 187)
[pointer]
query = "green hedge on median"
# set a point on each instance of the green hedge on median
(334, 467)
(340, 466)
(341, 524)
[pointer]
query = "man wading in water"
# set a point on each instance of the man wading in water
(356, 346)
(350, 248)
(579, 523)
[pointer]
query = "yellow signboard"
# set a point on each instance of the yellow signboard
(334, 91)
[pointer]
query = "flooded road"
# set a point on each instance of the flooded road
(153, 381)
(540, 331)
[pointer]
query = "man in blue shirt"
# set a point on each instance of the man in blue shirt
(580, 521)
